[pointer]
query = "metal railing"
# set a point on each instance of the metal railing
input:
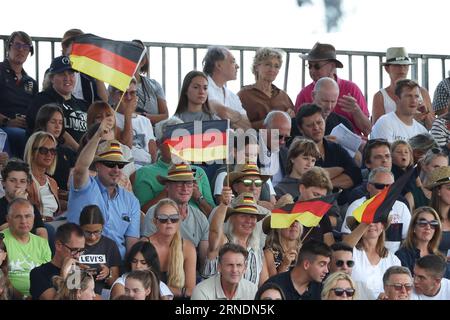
(169, 62)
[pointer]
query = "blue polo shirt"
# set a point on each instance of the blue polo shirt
(121, 213)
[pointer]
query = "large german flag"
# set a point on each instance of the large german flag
(308, 213)
(377, 208)
(198, 141)
(113, 62)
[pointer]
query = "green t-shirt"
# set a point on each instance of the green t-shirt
(22, 258)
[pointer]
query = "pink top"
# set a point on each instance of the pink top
(345, 88)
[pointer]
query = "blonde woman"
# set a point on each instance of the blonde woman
(339, 286)
(40, 154)
(65, 288)
(177, 256)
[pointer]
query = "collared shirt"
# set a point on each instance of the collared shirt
(146, 185)
(224, 96)
(269, 164)
(285, 282)
(211, 289)
(121, 212)
(15, 96)
(345, 88)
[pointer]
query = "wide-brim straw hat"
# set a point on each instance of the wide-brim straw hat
(110, 150)
(397, 55)
(181, 172)
(245, 203)
(322, 52)
(245, 170)
(438, 177)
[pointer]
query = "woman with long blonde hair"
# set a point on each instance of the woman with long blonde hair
(177, 256)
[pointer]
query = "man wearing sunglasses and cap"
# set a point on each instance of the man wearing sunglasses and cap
(351, 104)
(120, 208)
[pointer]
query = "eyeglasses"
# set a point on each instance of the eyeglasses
(249, 182)
(379, 186)
(164, 218)
(317, 66)
(112, 164)
(349, 263)
(21, 46)
(284, 138)
(45, 151)
(400, 286)
(422, 223)
(340, 291)
(74, 251)
(88, 234)
(180, 184)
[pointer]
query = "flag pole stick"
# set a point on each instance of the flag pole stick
(120, 101)
(306, 235)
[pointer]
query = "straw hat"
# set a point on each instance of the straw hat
(438, 176)
(110, 150)
(245, 203)
(177, 172)
(245, 170)
(397, 55)
(322, 52)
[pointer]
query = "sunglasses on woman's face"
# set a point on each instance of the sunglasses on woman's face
(340, 291)
(422, 223)
(45, 151)
(164, 218)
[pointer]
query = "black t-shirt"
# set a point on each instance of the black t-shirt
(284, 281)
(41, 279)
(334, 120)
(318, 231)
(103, 252)
(37, 215)
(66, 161)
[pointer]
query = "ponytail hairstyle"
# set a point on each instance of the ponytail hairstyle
(149, 280)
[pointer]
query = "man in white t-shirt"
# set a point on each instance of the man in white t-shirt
(379, 178)
(429, 281)
(220, 66)
(400, 124)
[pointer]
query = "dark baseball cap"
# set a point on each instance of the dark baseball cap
(60, 64)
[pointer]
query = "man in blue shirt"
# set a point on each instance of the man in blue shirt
(120, 208)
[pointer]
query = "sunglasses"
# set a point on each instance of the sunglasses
(74, 251)
(340, 291)
(112, 164)
(422, 223)
(317, 66)
(45, 151)
(163, 218)
(349, 263)
(400, 286)
(379, 186)
(249, 182)
(284, 138)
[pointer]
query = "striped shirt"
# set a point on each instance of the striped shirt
(440, 132)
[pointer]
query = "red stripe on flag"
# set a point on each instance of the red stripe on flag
(318, 208)
(369, 213)
(198, 141)
(105, 57)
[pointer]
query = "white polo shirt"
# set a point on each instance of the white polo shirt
(224, 96)
(211, 289)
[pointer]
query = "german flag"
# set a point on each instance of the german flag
(308, 213)
(198, 141)
(377, 208)
(113, 62)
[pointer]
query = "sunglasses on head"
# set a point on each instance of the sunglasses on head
(317, 66)
(340, 263)
(379, 186)
(45, 151)
(400, 286)
(112, 164)
(422, 223)
(164, 218)
(249, 182)
(340, 291)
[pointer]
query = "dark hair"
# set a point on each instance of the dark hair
(317, 177)
(214, 54)
(404, 83)
(299, 147)
(69, 36)
(267, 286)
(44, 115)
(144, 68)
(183, 100)
(149, 253)
(22, 35)
(372, 144)
(232, 247)
(65, 231)
(312, 248)
(306, 110)
(91, 214)
(434, 263)
(15, 164)
(341, 246)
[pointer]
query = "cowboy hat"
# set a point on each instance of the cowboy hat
(245, 170)
(322, 52)
(397, 55)
(177, 172)
(438, 176)
(245, 203)
(110, 151)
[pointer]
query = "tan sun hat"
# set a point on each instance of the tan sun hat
(178, 172)
(109, 150)
(438, 176)
(245, 203)
(397, 55)
(245, 170)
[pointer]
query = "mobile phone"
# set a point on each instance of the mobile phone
(92, 271)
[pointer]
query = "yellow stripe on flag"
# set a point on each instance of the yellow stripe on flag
(102, 72)
(358, 212)
(201, 155)
(283, 220)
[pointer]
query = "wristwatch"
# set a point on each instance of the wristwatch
(200, 198)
